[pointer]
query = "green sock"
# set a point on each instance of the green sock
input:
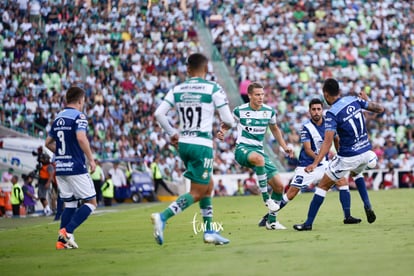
(178, 206)
(206, 209)
(277, 197)
(272, 217)
(262, 177)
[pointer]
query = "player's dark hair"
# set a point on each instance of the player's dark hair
(196, 61)
(331, 87)
(253, 86)
(315, 101)
(74, 94)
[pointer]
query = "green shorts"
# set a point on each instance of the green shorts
(198, 161)
(242, 157)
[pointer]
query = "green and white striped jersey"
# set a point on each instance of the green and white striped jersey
(196, 100)
(252, 124)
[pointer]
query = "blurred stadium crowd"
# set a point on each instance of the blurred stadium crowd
(128, 54)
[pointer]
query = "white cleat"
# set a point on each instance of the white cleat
(67, 239)
(214, 238)
(159, 226)
(71, 241)
(275, 226)
(272, 205)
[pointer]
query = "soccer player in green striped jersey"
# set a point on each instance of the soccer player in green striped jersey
(253, 120)
(196, 101)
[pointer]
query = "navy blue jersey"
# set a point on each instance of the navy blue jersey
(69, 157)
(315, 135)
(345, 117)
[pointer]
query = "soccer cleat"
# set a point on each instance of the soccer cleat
(352, 220)
(214, 238)
(159, 226)
(371, 217)
(272, 205)
(302, 227)
(262, 222)
(274, 226)
(61, 244)
(67, 238)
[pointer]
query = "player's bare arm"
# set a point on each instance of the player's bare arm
(50, 143)
(84, 145)
(372, 106)
(279, 138)
(326, 145)
(308, 149)
(375, 107)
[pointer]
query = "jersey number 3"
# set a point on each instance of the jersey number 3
(61, 137)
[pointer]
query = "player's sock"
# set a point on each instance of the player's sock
(277, 197)
(316, 202)
(345, 198)
(362, 189)
(177, 206)
(79, 217)
(272, 217)
(66, 216)
(262, 177)
(206, 209)
(285, 200)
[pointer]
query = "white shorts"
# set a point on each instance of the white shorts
(303, 179)
(75, 187)
(340, 166)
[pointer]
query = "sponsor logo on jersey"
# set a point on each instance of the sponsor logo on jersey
(190, 98)
(254, 130)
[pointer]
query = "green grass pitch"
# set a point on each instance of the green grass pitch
(119, 241)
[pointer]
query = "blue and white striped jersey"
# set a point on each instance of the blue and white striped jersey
(315, 135)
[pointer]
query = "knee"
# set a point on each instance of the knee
(257, 160)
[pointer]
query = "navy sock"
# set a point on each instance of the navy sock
(80, 216)
(362, 189)
(345, 198)
(66, 217)
(316, 202)
(282, 204)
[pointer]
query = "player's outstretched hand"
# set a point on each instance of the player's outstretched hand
(363, 95)
(222, 132)
(310, 168)
(289, 152)
(174, 140)
(92, 166)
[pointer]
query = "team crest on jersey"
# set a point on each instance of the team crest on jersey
(60, 122)
(264, 114)
(205, 174)
(82, 116)
(350, 109)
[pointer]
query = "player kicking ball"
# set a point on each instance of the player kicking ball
(345, 119)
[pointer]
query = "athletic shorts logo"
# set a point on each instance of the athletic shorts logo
(205, 175)
(299, 179)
